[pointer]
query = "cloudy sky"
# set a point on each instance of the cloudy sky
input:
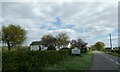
(90, 21)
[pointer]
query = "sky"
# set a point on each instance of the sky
(91, 21)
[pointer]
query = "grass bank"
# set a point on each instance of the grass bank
(72, 63)
(113, 52)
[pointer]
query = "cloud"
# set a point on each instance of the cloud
(61, 1)
(85, 20)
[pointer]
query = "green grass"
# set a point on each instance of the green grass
(72, 63)
(112, 52)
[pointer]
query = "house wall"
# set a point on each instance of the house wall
(69, 45)
(44, 48)
(34, 47)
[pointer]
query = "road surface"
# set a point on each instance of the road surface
(103, 61)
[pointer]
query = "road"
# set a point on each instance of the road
(103, 61)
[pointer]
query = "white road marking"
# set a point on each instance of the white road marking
(111, 59)
(117, 63)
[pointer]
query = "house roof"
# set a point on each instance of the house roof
(36, 43)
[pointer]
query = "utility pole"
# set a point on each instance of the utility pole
(110, 41)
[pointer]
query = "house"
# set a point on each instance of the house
(37, 45)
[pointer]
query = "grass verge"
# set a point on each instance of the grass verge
(112, 53)
(72, 63)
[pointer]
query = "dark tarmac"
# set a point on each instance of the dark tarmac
(103, 61)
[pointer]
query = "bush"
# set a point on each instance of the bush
(31, 60)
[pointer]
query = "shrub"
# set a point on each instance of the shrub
(31, 60)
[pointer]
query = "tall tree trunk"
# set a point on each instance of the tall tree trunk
(8, 44)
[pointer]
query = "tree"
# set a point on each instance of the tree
(92, 47)
(48, 40)
(99, 45)
(13, 35)
(62, 39)
(0, 35)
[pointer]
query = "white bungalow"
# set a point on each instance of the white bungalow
(36, 45)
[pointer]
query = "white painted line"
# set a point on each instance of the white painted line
(117, 63)
(111, 60)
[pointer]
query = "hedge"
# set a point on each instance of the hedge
(31, 60)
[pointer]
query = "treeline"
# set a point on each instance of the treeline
(14, 36)
(60, 40)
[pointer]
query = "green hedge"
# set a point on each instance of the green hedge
(31, 60)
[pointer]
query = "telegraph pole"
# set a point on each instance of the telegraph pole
(110, 41)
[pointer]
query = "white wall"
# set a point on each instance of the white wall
(34, 47)
(44, 48)
(69, 45)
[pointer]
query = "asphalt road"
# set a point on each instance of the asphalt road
(103, 61)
